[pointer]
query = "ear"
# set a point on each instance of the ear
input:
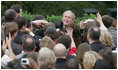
(14, 35)
(21, 46)
(88, 37)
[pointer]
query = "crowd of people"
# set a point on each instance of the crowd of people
(39, 44)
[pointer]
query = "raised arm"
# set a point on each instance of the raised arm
(8, 40)
(73, 46)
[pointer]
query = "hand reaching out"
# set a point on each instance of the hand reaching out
(82, 25)
(39, 23)
(69, 31)
(99, 19)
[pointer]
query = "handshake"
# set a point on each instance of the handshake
(39, 23)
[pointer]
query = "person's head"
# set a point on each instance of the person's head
(38, 17)
(106, 38)
(107, 20)
(28, 44)
(88, 23)
(10, 15)
(83, 47)
(21, 21)
(90, 58)
(65, 40)
(50, 31)
(15, 64)
(46, 58)
(59, 50)
(56, 35)
(48, 25)
(68, 17)
(101, 64)
(33, 55)
(18, 9)
(110, 58)
(11, 27)
(93, 33)
(47, 42)
(114, 23)
(21, 39)
(72, 64)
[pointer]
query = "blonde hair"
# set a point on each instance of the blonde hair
(47, 42)
(90, 58)
(46, 58)
(105, 37)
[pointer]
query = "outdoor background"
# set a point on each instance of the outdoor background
(53, 10)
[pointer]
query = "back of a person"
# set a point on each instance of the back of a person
(113, 31)
(96, 46)
(60, 63)
(16, 48)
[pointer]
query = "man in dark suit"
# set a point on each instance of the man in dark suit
(67, 19)
(93, 38)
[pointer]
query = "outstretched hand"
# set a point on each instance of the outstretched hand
(39, 23)
(82, 25)
(69, 31)
(99, 18)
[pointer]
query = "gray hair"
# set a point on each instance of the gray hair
(73, 15)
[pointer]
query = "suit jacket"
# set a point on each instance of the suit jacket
(60, 63)
(113, 31)
(16, 48)
(59, 24)
(96, 46)
(36, 38)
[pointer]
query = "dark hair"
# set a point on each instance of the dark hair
(76, 33)
(65, 40)
(72, 64)
(82, 48)
(110, 57)
(28, 23)
(56, 35)
(38, 17)
(107, 20)
(28, 45)
(10, 15)
(101, 64)
(16, 8)
(50, 30)
(21, 21)
(94, 33)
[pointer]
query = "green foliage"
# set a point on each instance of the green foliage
(86, 16)
(53, 18)
(58, 7)
(28, 15)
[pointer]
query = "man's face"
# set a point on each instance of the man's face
(67, 18)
